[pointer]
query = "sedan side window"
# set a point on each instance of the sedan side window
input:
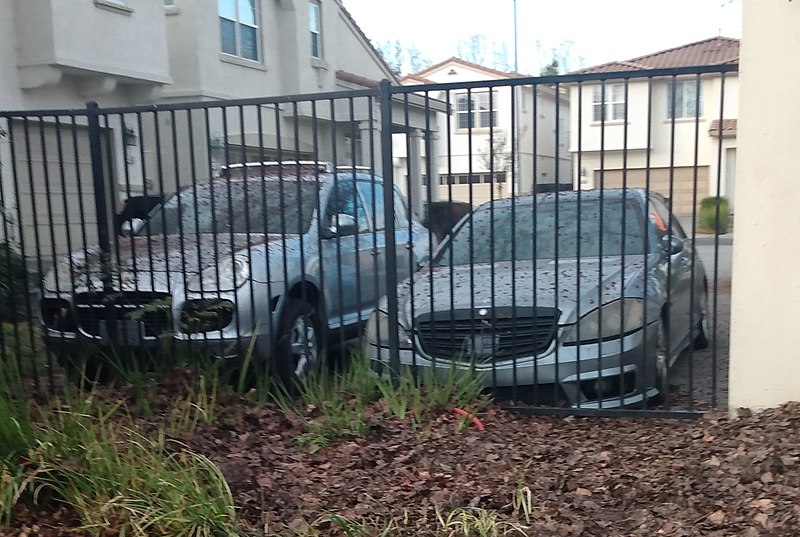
(659, 216)
(345, 200)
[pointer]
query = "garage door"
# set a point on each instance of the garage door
(682, 184)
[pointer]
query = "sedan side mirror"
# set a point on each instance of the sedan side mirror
(343, 225)
(672, 245)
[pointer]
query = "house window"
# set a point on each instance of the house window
(315, 26)
(612, 108)
(474, 110)
(683, 95)
(239, 28)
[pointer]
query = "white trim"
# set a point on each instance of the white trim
(115, 6)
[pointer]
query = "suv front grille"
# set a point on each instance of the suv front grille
(498, 334)
(148, 313)
(200, 316)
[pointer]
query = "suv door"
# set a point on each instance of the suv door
(347, 259)
(372, 192)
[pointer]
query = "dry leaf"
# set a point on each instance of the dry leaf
(717, 517)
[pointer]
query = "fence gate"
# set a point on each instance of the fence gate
(564, 238)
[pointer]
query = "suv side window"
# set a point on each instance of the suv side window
(373, 197)
(400, 211)
(344, 199)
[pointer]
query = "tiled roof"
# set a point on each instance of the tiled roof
(465, 63)
(714, 51)
(356, 79)
(728, 127)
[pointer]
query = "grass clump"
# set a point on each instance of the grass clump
(91, 457)
(344, 404)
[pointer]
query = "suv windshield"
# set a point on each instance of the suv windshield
(237, 206)
(473, 241)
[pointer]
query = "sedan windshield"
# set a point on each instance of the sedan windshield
(590, 229)
(252, 206)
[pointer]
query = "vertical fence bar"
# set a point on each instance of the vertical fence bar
(101, 210)
(714, 340)
(693, 260)
(625, 106)
(385, 95)
(53, 249)
(646, 225)
(580, 313)
(410, 184)
(23, 252)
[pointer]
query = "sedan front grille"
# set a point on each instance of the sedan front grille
(145, 314)
(487, 334)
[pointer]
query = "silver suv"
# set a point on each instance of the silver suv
(274, 259)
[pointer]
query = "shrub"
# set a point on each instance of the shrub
(13, 283)
(708, 215)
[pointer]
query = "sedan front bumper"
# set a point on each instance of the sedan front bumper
(611, 374)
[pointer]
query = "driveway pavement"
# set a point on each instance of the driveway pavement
(700, 378)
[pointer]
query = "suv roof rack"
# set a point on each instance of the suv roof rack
(322, 166)
(348, 167)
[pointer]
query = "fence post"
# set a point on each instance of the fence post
(388, 202)
(101, 209)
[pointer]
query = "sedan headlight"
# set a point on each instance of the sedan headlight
(228, 275)
(610, 321)
(378, 331)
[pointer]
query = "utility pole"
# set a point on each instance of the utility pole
(515, 137)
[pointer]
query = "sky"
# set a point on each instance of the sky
(599, 30)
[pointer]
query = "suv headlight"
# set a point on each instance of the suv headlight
(378, 330)
(609, 321)
(228, 275)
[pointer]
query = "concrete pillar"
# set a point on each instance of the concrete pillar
(370, 156)
(765, 360)
(432, 152)
(416, 191)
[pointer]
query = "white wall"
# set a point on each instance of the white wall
(464, 150)
(663, 151)
(765, 361)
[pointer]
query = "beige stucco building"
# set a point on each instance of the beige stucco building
(687, 149)
(59, 54)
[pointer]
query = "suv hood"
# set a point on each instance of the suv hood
(579, 291)
(150, 264)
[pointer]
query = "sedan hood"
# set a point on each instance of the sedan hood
(579, 290)
(154, 263)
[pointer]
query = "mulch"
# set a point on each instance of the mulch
(713, 476)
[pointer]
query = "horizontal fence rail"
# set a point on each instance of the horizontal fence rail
(560, 238)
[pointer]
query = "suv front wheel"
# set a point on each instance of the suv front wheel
(300, 348)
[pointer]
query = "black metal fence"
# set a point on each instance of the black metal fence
(562, 258)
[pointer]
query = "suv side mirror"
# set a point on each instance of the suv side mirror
(672, 244)
(343, 225)
(130, 227)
